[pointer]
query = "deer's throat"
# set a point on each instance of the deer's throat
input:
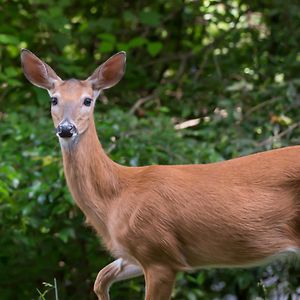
(92, 178)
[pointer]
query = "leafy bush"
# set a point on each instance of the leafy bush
(230, 66)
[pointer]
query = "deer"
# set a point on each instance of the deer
(159, 220)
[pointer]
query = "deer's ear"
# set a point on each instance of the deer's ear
(109, 73)
(36, 71)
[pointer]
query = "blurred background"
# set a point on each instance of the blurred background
(206, 81)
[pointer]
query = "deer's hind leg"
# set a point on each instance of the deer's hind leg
(116, 271)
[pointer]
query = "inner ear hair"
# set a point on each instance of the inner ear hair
(37, 71)
(109, 73)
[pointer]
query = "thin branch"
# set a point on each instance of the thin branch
(187, 124)
(261, 105)
(140, 102)
(283, 133)
(55, 289)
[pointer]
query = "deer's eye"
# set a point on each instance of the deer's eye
(54, 101)
(87, 101)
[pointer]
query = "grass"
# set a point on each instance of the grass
(49, 287)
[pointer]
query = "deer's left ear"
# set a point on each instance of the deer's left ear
(36, 71)
(109, 73)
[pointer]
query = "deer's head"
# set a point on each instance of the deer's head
(72, 101)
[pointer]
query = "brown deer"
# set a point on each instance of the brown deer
(158, 220)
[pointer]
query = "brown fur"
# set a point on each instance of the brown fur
(162, 219)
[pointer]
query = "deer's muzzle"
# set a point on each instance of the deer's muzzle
(66, 130)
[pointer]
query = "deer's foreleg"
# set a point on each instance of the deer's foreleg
(118, 270)
(159, 282)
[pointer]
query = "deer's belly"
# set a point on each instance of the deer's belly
(290, 251)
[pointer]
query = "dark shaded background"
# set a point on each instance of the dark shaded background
(232, 67)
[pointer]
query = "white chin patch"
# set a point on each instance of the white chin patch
(67, 143)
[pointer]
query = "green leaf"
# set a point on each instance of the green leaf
(137, 42)
(122, 47)
(151, 18)
(129, 16)
(9, 39)
(66, 234)
(154, 48)
(106, 47)
(107, 37)
(4, 193)
(11, 72)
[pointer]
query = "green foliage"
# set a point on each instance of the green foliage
(48, 287)
(229, 66)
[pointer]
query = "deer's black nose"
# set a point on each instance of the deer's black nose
(66, 129)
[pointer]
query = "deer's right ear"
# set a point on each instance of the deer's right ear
(109, 73)
(36, 71)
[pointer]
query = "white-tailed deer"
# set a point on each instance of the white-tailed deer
(158, 220)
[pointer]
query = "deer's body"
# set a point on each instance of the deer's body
(243, 210)
(158, 220)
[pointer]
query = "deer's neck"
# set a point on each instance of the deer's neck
(92, 177)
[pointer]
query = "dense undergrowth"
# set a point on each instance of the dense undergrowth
(230, 66)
